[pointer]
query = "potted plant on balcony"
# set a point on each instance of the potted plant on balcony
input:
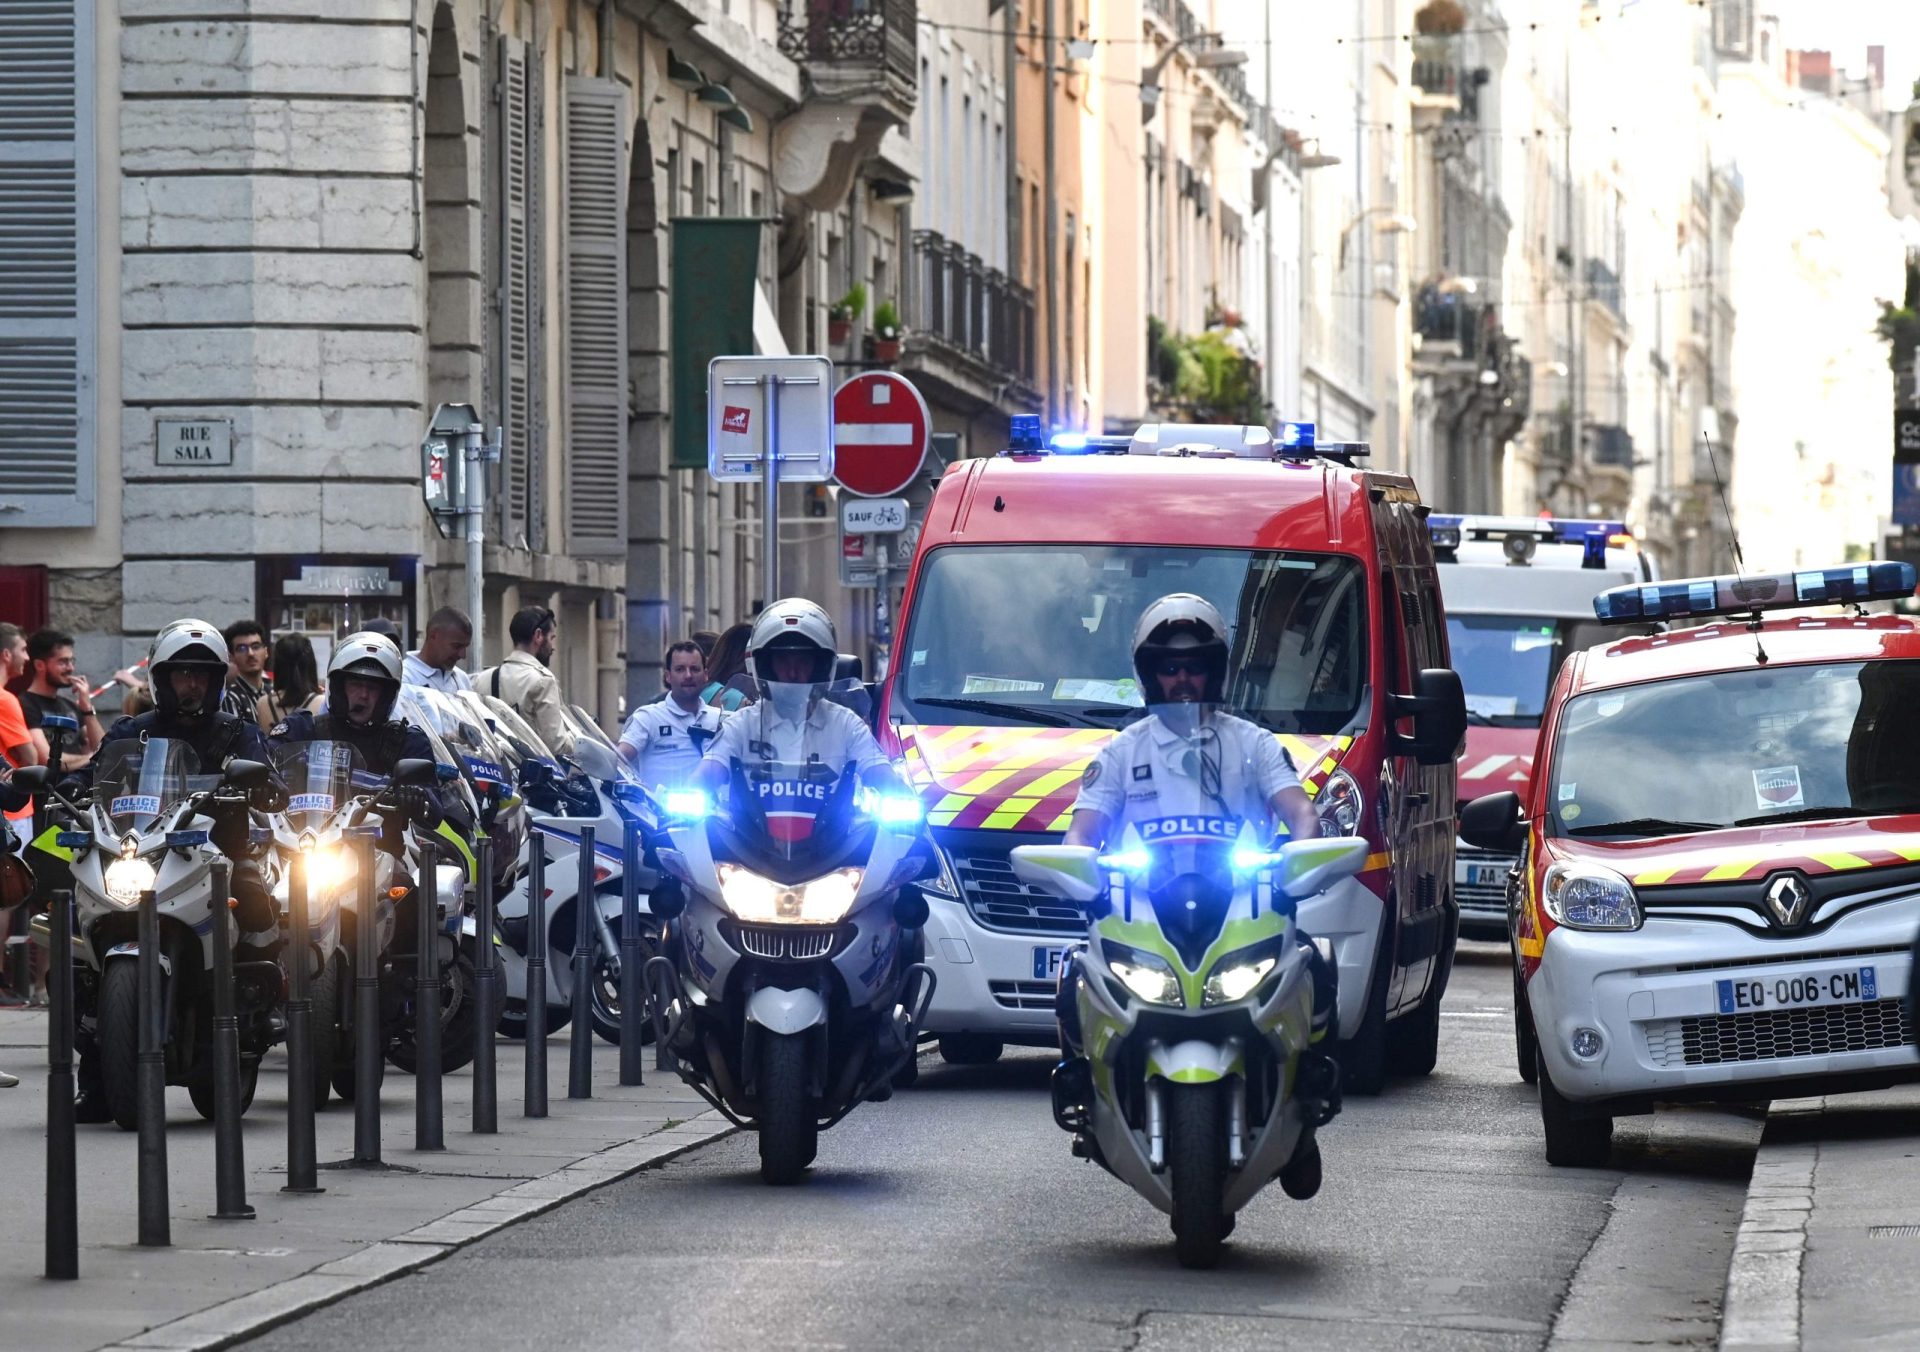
(1439, 19)
(886, 332)
(842, 313)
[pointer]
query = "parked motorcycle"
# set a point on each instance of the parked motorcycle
(791, 986)
(1194, 1004)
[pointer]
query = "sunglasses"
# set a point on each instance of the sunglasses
(1177, 667)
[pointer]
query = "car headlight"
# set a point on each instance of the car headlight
(824, 901)
(1589, 897)
(1235, 978)
(127, 878)
(1339, 804)
(1147, 975)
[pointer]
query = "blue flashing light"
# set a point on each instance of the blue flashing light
(1296, 436)
(1568, 531)
(893, 809)
(1246, 859)
(183, 840)
(1024, 436)
(689, 804)
(1069, 443)
(1135, 860)
(1595, 554)
(1444, 531)
(1847, 584)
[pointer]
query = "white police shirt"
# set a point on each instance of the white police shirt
(1163, 783)
(668, 741)
(832, 733)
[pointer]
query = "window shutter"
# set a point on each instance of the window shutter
(47, 273)
(595, 280)
(517, 331)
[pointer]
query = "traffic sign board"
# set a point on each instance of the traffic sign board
(880, 429)
(859, 564)
(744, 432)
(877, 516)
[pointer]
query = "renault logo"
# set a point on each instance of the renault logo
(1787, 897)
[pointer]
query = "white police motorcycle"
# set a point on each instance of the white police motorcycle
(790, 992)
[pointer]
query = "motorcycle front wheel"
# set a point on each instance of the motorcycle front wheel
(1197, 1164)
(458, 1011)
(117, 1041)
(789, 1132)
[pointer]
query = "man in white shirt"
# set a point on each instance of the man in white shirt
(665, 740)
(524, 682)
(436, 663)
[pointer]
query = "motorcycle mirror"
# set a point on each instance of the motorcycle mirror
(247, 774)
(536, 774)
(416, 771)
(31, 778)
(909, 907)
(1069, 871)
(1310, 866)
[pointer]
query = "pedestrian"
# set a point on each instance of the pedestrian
(17, 749)
(727, 661)
(54, 687)
(664, 740)
(247, 649)
(436, 663)
(386, 628)
(704, 639)
(524, 681)
(296, 682)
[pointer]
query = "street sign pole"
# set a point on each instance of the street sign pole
(770, 495)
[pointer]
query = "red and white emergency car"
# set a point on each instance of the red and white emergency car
(1519, 594)
(1719, 878)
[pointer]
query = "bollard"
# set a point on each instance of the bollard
(368, 1044)
(63, 1198)
(535, 1104)
(229, 1159)
(151, 1081)
(428, 1133)
(633, 1004)
(302, 1175)
(580, 1047)
(486, 996)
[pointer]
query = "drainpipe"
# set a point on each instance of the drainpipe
(1051, 272)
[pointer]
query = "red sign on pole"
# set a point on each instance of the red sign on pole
(880, 433)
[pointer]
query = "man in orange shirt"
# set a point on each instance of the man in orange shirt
(16, 749)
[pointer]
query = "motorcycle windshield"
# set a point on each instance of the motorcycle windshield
(321, 777)
(792, 796)
(458, 738)
(137, 781)
(509, 725)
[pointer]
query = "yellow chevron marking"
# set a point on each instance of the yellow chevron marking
(1910, 853)
(1326, 766)
(1532, 948)
(990, 742)
(1008, 814)
(1061, 822)
(1052, 782)
(983, 782)
(1375, 861)
(1653, 877)
(1054, 747)
(1733, 868)
(948, 808)
(1840, 860)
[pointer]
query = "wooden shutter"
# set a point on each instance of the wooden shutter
(516, 352)
(594, 467)
(47, 283)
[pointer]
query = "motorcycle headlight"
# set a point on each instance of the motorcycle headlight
(1339, 804)
(1148, 976)
(127, 878)
(1589, 897)
(824, 901)
(329, 870)
(1236, 977)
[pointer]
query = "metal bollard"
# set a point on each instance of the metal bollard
(486, 996)
(302, 1175)
(20, 961)
(151, 1080)
(535, 1104)
(63, 1197)
(229, 1159)
(633, 1002)
(428, 1132)
(368, 1044)
(580, 1046)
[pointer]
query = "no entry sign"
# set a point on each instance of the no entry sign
(880, 428)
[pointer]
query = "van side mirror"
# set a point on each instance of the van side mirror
(1494, 823)
(416, 771)
(247, 774)
(1438, 708)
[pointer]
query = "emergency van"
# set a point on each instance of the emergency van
(1015, 667)
(1720, 853)
(1519, 596)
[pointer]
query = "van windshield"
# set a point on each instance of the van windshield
(1043, 634)
(1507, 662)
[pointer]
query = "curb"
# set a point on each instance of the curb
(1761, 1309)
(247, 1316)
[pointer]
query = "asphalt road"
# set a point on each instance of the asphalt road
(954, 1217)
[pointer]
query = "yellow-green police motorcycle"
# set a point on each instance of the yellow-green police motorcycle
(1194, 1007)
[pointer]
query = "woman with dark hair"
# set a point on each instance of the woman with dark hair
(296, 682)
(727, 660)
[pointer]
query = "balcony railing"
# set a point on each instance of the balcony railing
(976, 310)
(1603, 285)
(1447, 317)
(1612, 446)
(1436, 65)
(880, 35)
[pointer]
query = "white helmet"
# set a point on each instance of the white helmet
(793, 625)
(373, 657)
(188, 645)
(1188, 626)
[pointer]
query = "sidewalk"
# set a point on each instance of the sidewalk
(223, 1280)
(1828, 1254)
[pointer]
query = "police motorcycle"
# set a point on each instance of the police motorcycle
(1193, 1003)
(149, 827)
(333, 801)
(481, 768)
(792, 989)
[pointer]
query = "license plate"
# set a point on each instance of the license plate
(1486, 875)
(1046, 963)
(1838, 986)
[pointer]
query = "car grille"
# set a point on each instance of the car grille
(1778, 1034)
(1484, 896)
(785, 945)
(1000, 901)
(1036, 995)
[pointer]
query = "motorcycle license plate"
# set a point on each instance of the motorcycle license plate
(1831, 986)
(1046, 962)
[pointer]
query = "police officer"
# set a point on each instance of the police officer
(665, 740)
(1188, 758)
(188, 667)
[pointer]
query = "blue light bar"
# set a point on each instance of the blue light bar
(1853, 583)
(1596, 550)
(1069, 443)
(1445, 531)
(1568, 531)
(1296, 436)
(1023, 434)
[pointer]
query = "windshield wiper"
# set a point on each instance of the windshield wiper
(1643, 826)
(1480, 720)
(1812, 814)
(987, 706)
